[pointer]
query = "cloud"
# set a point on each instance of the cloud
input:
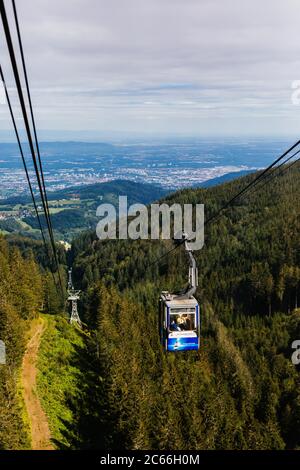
(174, 66)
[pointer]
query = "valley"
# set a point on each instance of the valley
(74, 209)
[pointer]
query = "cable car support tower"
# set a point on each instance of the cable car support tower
(190, 290)
(73, 297)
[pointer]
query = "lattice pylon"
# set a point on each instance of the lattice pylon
(74, 314)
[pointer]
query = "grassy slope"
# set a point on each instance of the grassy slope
(22, 412)
(60, 378)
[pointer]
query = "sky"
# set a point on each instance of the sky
(104, 69)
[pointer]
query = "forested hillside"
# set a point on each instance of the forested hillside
(25, 289)
(241, 391)
(112, 386)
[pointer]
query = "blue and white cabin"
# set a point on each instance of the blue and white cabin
(179, 322)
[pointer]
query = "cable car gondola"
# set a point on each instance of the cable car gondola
(179, 313)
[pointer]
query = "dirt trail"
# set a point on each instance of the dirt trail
(40, 433)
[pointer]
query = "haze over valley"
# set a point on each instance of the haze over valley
(170, 165)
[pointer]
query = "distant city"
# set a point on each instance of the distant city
(172, 166)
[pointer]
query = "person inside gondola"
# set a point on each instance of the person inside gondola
(187, 322)
(174, 326)
(181, 321)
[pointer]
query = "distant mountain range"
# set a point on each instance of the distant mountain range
(223, 179)
(137, 192)
(108, 192)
